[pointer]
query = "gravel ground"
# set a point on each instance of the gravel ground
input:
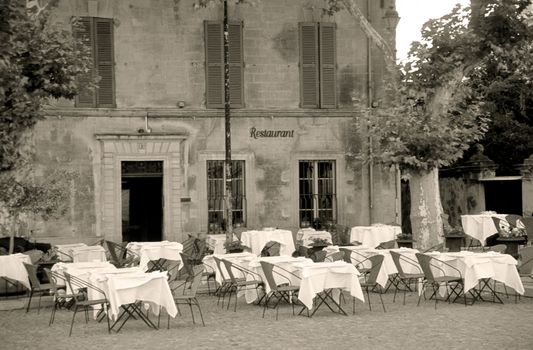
(481, 326)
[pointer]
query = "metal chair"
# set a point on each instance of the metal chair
(285, 291)
(426, 265)
(120, 256)
(436, 248)
(61, 298)
(404, 278)
(371, 279)
(387, 245)
(187, 296)
(337, 256)
(238, 284)
(225, 284)
(81, 301)
(36, 286)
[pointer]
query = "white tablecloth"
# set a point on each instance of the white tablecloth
(67, 249)
(127, 288)
(148, 251)
(88, 254)
(12, 267)
(372, 236)
(477, 266)
(331, 275)
(256, 240)
(241, 259)
(480, 226)
(305, 236)
(82, 270)
(216, 243)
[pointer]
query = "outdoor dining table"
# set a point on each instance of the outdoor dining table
(216, 243)
(130, 292)
(154, 251)
(81, 270)
(12, 268)
(480, 226)
(65, 250)
(306, 236)
(256, 240)
(477, 268)
(88, 253)
(372, 236)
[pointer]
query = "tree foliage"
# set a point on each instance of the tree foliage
(444, 99)
(38, 61)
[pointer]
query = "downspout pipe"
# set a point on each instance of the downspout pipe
(370, 94)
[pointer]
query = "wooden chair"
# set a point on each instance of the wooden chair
(36, 286)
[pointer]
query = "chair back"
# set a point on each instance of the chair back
(319, 256)
(229, 269)
(436, 248)
(271, 248)
(337, 256)
(528, 224)
(512, 219)
(218, 263)
(425, 264)
(52, 279)
(499, 248)
(268, 270)
(347, 255)
(197, 273)
(376, 261)
(526, 256)
(387, 245)
(114, 256)
(32, 275)
(503, 226)
(396, 258)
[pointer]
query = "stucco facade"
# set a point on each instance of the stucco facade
(159, 61)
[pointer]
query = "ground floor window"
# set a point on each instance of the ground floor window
(317, 191)
(216, 210)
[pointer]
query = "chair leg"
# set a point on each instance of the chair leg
(52, 315)
(29, 300)
(267, 299)
(436, 291)
(39, 304)
(395, 291)
(107, 317)
(192, 313)
(423, 292)
(199, 310)
(381, 298)
(72, 322)
(353, 306)
(368, 297)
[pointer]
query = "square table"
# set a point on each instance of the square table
(306, 236)
(216, 243)
(480, 267)
(373, 236)
(12, 267)
(153, 251)
(128, 290)
(256, 240)
(88, 254)
(66, 249)
(81, 270)
(480, 226)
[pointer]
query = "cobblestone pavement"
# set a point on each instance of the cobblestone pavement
(481, 326)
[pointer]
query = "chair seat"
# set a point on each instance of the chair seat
(248, 283)
(92, 302)
(364, 284)
(287, 288)
(184, 297)
(448, 279)
(44, 287)
(412, 275)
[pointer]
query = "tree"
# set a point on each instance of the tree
(438, 108)
(38, 61)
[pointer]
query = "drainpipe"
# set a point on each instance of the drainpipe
(370, 94)
(146, 127)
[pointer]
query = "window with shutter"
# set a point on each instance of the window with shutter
(97, 34)
(328, 85)
(214, 57)
(309, 80)
(318, 65)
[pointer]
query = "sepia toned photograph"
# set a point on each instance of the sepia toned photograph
(281, 174)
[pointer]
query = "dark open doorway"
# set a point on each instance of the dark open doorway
(142, 201)
(504, 196)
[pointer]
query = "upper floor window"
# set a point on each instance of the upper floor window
(214, 64)
(97, 35)
(318, 81)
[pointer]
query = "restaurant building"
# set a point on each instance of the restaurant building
(147, 147)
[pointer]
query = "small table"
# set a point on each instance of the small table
(480, 226)
(306, 236)
(256, 240)
(512, 244)
(12, 268)
(154, 251)
(372, 236)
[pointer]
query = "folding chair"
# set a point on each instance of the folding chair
(371, 279)
(426, 264)
(36, 286)
(404, 278)
(81, 301)
(61, 298)
(285, 291)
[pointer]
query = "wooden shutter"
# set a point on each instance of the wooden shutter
(105, 96)
(86, 95)
(309, 89)
(236, 65)
(214, 65)
(328, 82)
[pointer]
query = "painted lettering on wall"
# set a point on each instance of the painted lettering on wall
(264, 133)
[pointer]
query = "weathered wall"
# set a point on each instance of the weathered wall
(159, 60)
(461, 196)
